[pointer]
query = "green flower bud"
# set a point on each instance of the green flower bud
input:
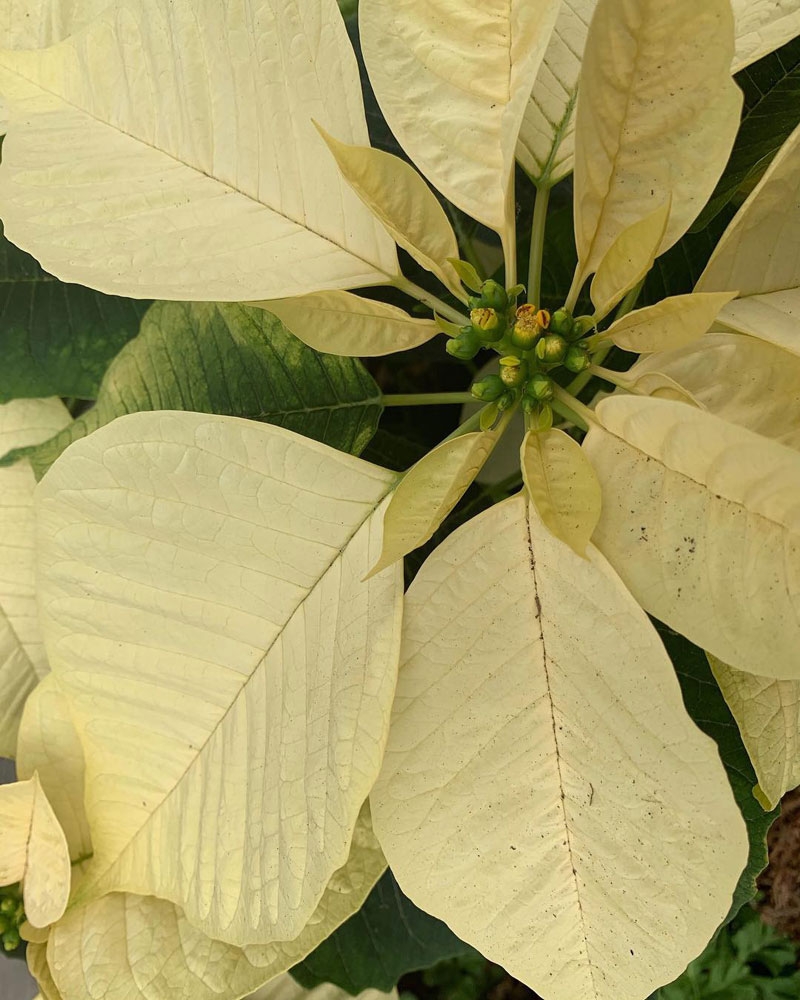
(561, 322)
(541, 414)
(539, 387)
(488, 324)
(577, 358)
(527, 329)
(514, 293)
(551, 349)
(11, 940)
(494, 295)
(465, 346)
(8, 906)
(489, 389)
(513, 372)
(581, 326)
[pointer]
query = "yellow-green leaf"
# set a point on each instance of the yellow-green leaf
(343, 323)
(669, 324)
(429, 491)
(396, 194)
(22, 660)
(657, 115)
(608, 853)
(36, 957)
(228, 671)
(562, 486)
(34, 851)
(145, 155)
(767, 713)
(745, 380)
(127, 947)
(760, 250)
(452, 81)
(628, 259)
(48, 745)
(701, 519)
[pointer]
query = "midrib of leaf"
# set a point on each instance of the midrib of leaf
(190, 166)
(567, 831)
(83, 893)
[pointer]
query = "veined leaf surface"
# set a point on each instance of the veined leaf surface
(452, 78)
(34, 24)
(227, 670)
(145, 155)
(742, 379)
(229, 359)
(701, 519)
(671, 323)
(546, 147)
(48, 746)
(34, 851)
(150, 951)
(22, 659)
(608, 854)
(767, 713)
(346, 324)
(639, 54)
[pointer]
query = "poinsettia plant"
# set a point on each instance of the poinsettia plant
(227, 716)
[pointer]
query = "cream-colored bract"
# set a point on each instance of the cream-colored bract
(628, 259)
(49, 746)
(522, 660)
(34, 851)
(342, 323)
(742, 379)
(630, 158)
(34, 24)
(562, 486)
(654, 383)
(22, 660)
(546, 145)
(429, 491)
(228, 672)
(670, 323)
(151, 952)
(701, 519)
(767, 713)
(452, 78)
(169, 170)
(286, 988)
(773, 317)
(396, 194)
(760, 250)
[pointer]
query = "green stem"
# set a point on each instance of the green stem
(607, 375)
(537, 245)
(427, 398)
(627, 304)
(432, 301)
(472, 423)
(571, 408)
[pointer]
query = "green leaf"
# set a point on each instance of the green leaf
(707, 707)
(388, 937)
(676, 272)
(771, 114)
(56, 339)
(232, 360)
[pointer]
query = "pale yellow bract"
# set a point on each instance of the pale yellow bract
(220, 600)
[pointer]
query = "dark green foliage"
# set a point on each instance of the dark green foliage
(388, 937)
(56, 339)
(234, 360)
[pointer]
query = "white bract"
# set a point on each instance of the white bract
(220, 601)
